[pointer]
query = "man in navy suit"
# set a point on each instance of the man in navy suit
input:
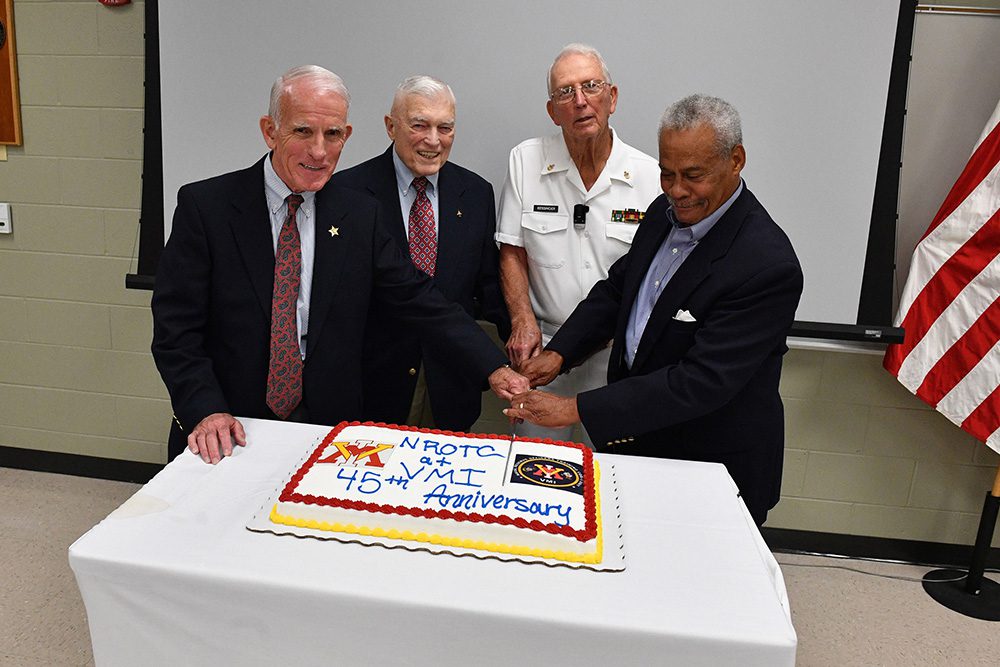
(405, 381)
(224, 279)
(698, 310)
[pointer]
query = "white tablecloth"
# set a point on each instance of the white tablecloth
(173, 577)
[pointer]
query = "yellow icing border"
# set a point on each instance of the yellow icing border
(517, 550)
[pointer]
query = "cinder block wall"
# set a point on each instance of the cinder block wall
(863, 455)
(75, 371)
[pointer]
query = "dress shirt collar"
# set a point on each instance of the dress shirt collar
(703, 226)
(276, 191)
(618, 167)
(404, 177)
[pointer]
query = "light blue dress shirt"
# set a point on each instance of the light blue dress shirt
(680, 241)
(276, 191)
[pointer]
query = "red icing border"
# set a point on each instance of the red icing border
(589, 531)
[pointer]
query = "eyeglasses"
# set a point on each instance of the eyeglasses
(568, 93)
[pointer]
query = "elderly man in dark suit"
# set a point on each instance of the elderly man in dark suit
(405, 381)
(698, 310)
(264, 286)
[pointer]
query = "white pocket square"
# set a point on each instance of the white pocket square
(684, 316)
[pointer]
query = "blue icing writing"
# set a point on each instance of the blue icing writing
(489, 450)
(401, 481)
(371, 481)
(455, 476)
(435, 446)
(479, 500)
(404, 479)
(412, 444)
(442, 449)
(409, 474)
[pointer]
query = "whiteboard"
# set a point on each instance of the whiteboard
(809, 78)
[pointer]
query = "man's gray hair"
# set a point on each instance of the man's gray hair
(426, 86)
(324, 79)
(695, 110)
(579, 49)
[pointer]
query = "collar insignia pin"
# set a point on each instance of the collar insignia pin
(550, 167)
(334, 231)
(459, 213)
(627, 175)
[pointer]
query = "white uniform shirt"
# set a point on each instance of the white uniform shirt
(536, 213)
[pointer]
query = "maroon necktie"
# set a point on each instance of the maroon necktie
(284, 374)
(423, 240)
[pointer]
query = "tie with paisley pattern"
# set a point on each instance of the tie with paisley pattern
(423, 240)
(284, 375)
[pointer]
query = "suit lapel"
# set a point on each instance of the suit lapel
(691, 273)
(451, 229)
(383, 187)
(328, 262)
(251, 226)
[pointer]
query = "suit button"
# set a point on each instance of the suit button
(412, 371)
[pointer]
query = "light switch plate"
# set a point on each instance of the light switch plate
(5, 227)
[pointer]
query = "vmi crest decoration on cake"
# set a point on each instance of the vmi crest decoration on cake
(550, 473)
(417, 487)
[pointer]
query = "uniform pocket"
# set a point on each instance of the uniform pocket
(544, 223)
(624, 232)
(544, 238)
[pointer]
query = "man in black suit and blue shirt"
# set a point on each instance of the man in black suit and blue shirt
(265, 283)
(405, 381)
(698, 311)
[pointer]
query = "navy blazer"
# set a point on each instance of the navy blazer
(212, 303)
(707, 389)
(466, 273)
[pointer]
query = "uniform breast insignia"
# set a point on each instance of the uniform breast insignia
(630, 215)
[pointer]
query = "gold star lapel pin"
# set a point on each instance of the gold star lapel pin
(334, 231)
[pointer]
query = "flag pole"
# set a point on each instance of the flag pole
(969, 593)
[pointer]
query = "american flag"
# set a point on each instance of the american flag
(950, 307)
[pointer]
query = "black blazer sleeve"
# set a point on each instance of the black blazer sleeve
(180, 307)
(444, 327)
(488, 294)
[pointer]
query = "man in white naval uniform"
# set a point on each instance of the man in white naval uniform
(570, 206)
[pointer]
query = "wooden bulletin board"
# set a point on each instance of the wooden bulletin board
(10, 106)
